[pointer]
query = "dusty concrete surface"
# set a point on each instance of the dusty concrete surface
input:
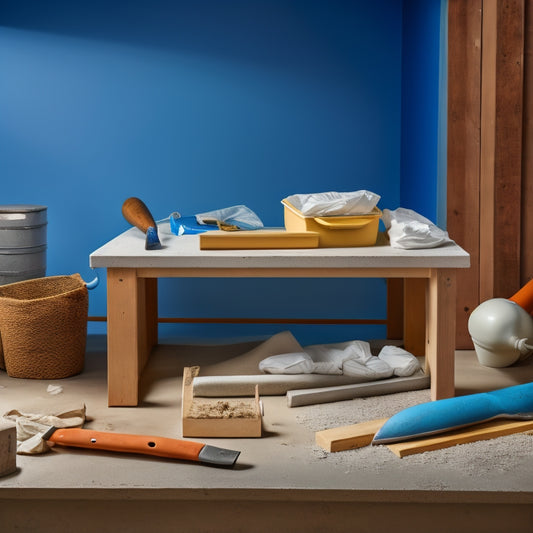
(283, 466)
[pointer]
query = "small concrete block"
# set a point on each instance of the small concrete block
(8, 448)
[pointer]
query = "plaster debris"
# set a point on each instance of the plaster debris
(54, 389)
(482, 459)
(222, 409)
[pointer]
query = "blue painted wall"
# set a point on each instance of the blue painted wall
(200, 105)
(422, 98)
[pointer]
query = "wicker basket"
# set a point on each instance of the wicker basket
(43, 327)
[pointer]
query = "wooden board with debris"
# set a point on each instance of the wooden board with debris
(218, 417)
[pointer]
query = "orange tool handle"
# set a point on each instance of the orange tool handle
(524, 297)
(121, 442)
(137, 214)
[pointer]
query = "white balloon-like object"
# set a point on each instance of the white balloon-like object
(502, 332)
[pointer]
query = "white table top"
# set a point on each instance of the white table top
(127, 251)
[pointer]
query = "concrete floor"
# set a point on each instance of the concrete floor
(280, 482)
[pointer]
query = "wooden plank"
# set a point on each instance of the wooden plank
(348, 437)
(508, 155)
(415, 316)
(489, 430)
(257, 240)
(289, 272)
(440, 331)
(463, 160)
(501, 147)
(488, 148)
(526, 250)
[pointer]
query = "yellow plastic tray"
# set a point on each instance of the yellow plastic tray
(335, 231)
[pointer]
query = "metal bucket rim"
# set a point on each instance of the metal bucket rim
(21, 208)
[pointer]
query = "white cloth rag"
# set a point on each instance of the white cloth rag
(401, 361)
(31, 426)
(330, 358)
(408, 229)
(287, 363)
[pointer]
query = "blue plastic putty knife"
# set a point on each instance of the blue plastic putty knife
(452, 413)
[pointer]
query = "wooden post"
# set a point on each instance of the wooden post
(526, 247)
(440, 331)
(487, 190)
(127, 337)
(501, 147)
(415, 315)
(395, 308)
(464, 115)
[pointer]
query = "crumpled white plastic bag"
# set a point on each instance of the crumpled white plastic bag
(237, 215)
(334, 203)
(330, 358)
(401, 361)
(372, 369)
(351, 358)
(31, 426)
(288, 363)
(408, 229)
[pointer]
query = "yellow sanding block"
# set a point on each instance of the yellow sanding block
(259, 239)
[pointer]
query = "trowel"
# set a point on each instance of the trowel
(137, 214)
(439, 416)
(147, 445)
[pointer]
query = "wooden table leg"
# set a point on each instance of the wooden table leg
(440, 331)
(128, 337)
(395, 311)
(151, 313)
(414, 329)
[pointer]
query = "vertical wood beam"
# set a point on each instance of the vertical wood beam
(488, 142)
(463, 160)
(151, 312)
(415, 315)
(395, 308)
(526, 259)
(127, 337)
(440, 331)
(501, 147)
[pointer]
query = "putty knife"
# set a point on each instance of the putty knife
(138, 215)
(439, 416)
(160, 446)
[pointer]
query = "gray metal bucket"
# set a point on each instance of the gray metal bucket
(22, 242)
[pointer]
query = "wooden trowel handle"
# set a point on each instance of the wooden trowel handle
(137, 214)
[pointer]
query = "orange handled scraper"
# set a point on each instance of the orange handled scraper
(160, 446)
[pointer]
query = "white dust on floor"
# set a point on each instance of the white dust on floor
(474, 460)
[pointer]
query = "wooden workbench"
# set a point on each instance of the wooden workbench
(132, 274)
